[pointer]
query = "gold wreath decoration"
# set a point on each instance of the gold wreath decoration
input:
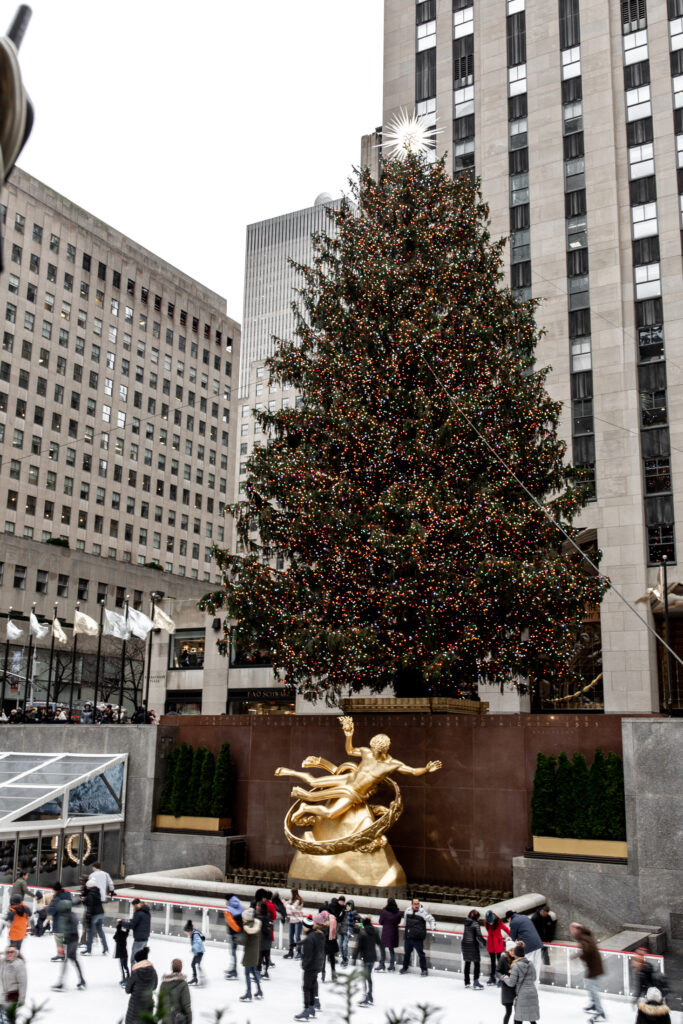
(370, 839)
(68, 846)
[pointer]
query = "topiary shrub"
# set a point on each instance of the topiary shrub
(543, 797)
(206, 785)
(223, 790)
(580, 828)
(599, 810)
(165, 800)
(183, 770)
(564, 801)
(195, 780)
(614, 791)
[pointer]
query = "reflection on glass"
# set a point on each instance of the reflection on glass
(51, 809)
(49, 860)
(74, 842)
(94, 797)
(27, 858)
(7, 860)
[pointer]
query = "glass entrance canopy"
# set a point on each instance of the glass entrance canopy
(61, 789)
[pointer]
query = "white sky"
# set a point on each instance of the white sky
(181, 123)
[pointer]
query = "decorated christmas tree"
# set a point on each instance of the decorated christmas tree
(412, 558)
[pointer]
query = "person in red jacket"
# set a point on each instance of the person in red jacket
(495, 942)
(18, 918)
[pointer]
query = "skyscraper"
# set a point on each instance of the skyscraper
(571, 115)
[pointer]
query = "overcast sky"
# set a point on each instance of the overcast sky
(181, 123)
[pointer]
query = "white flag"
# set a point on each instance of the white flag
(13, 632)
(115, 625)
(140, 624)
(84, 624)
(35, 627)
(57, 632)
(163, 621)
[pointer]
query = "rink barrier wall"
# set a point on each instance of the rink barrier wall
(442, 945)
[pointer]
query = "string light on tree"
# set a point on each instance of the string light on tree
(413, 559)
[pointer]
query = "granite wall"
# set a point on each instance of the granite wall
(461, 825)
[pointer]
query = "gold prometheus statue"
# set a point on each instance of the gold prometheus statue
(347, 838)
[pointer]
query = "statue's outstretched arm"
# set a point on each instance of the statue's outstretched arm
(347, 725)
(433, 766)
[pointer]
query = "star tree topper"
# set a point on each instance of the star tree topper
(409, 133)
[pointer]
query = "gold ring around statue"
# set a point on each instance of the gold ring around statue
(371, 838)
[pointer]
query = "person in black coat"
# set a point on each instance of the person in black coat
(140, 985)
(368, 944)
(94, 916)
(141, 925)
(312, 959)
(472, 942)
(507, 994)
(389, 920)
(121, 949)
(262, 914)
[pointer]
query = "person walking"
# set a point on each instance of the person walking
(495, 943)
(653, 1009)
(295, 915)
(312, 957)
(646, 975)
(121, 949)
(331, 944)
(368, 944)
(415, 922)
(20, 886)
(59, 911)
(17, 918)
(69, 935)
(590, 954)
(12, 981)
(389, 920)
(471, 944)
(140, 986)
(252, 953)
(174, 996)
(94, 918)
(522, 978)
(343, 930)
(102, 879)
(263, 915)
(233, 922)
(545, 923)
(504, 965)
(523, 930)
(198, 949)
(141, 925)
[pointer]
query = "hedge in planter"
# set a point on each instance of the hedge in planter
(570, 800)
(223, 791)
(166, 798)
(543, 797)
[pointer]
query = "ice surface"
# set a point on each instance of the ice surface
(104, 1001)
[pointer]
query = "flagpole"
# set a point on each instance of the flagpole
(97, 663)
(123, 662)
(73, 665)
(52, 653)
(28, 659)
(154, 595)
(4, 671)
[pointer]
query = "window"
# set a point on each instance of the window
(186, 649)
(41, 581)
(83, 589)
(20, 577)
(657, 473)
(516, 39)
(644, 220)
(425, 88)
(635, 46)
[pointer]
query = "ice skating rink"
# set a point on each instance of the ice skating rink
(104, 1002)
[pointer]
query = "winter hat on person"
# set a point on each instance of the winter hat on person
(321, 918)
(248, 915)
(13, 900)
(176, 966)
(308, 923)
(510, 946)
(234, 905)
(654, 995)
(38, 894)
(141, 954)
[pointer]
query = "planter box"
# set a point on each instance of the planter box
(581, 847)
(187, 823)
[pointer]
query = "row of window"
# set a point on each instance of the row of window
(87, 266)
(518, 152)
(654, 431)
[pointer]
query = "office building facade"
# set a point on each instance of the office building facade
(571, 116)
(116, 389)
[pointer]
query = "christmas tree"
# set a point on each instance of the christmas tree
(412, 558)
